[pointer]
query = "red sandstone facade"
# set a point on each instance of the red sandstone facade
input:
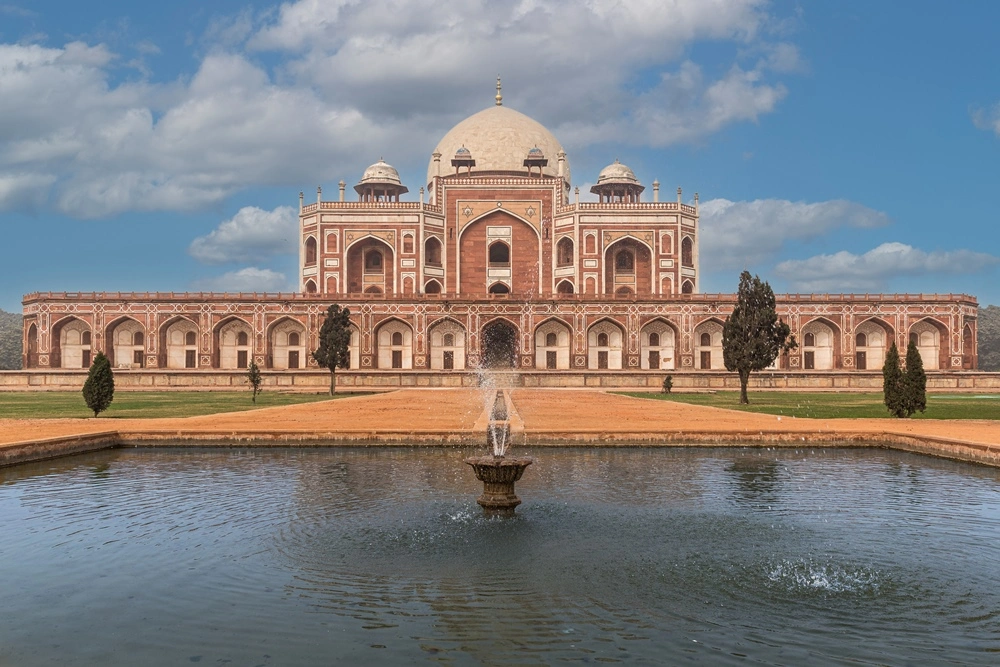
(501, 265)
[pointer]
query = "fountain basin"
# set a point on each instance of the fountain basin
(498, 474)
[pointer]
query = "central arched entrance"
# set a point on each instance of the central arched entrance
(499, 345)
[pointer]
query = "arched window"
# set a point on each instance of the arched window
(85, 340)
(373, 261)
(625, 261)
(602, 339)
(310, 250)
(499, 288)
(293, 338)
(190, 338)
(397, 338)
(687, 287)
(432, 251)
(565, 287)
(408, 244)
(654, 339)
(809, 339)
(432, 287)
(310, 287)
(137, 338)
(241, 338)
(550, 340)
(706, 340)
(499, 254)
(687, 252)
(449, 340)
(861, 340)
(564, 252)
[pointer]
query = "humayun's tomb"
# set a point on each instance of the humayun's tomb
(496, 262)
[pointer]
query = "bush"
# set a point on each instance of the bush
(254, 379)
(99, 389)
(668, 384)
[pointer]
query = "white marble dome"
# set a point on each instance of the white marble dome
(617, 173)
(499, 138)
(382, 173)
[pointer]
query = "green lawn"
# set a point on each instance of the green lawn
(53, 404)
(832, 405)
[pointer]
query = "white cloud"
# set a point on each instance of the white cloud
(354, 80)
(987, 119)
(873, 271)
(250, 279)
(250, 235)
(737, 235)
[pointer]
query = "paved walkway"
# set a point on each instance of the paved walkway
(567, 415)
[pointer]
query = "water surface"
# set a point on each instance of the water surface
(364, 556)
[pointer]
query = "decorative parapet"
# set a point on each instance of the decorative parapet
(641, 206)
(309, 209)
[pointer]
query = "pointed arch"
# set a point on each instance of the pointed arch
(931, 337)
(628, 263)
(72, 340)
(565, 287)
(286, 344)
(432, 251)
(394, 352)
(31, 346)
(605, 344)
(370, 261)
(707, 343)
(230, 350)
(499, 343)
(872, 337)
(658, 344)
(124, 349)
(432, 286)
(176, 349)
(553, 344)
(819, 339)
(310, 250)
(447, 337)
(565, 251)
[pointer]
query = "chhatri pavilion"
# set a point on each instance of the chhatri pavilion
(494, 261)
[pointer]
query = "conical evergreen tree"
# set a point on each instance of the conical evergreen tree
(892, 383)
(334, 342)
(254, 379)
(99, 389)
(914, 381)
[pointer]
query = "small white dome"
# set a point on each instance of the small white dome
(617, 173)
(382, 173)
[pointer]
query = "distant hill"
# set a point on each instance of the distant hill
(10, 341)
(989, 338)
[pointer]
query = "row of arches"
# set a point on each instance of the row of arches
(182, 345)
(231, 344)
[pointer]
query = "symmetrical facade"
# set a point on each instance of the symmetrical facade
(496, 263)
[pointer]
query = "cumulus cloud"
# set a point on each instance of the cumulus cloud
(987, 119)
(251, 235)
(736, 235)
(873, 271)
(347, 81)
(250, 279)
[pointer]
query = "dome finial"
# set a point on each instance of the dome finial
(499, 96)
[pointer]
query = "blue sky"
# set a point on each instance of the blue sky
(836, 146)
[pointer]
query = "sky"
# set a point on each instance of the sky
(848, 146)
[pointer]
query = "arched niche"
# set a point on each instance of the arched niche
(928, 334)
(370, 264)
(394, 340)
(287, 341)
(657, 345)
(871, 340)
(819, 345)
(564, 252)
(553, 342)
(127, 348)
(179, 343)
(447, 345)
(605, 345)
(708, 346)
(233, 343)
(75, 341)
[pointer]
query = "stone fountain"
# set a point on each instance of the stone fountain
(497, 472)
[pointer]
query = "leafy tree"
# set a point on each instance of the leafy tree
(254, 379)
(753, 335)
(914, 380)
(989, 338)
(334, 339)
(99, 389)
(668, 384)
(892, 383)
(11, 331)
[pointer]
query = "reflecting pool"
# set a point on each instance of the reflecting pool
(381, 555)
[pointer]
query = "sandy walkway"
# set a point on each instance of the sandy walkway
(590, 414)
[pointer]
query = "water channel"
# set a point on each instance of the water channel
(308, 556)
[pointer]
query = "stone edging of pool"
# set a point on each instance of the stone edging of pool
(48, 448)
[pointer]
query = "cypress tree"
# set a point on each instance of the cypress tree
(892, 383)
(334, 339)
(914, 380)
(99, 389)
(753, 335)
